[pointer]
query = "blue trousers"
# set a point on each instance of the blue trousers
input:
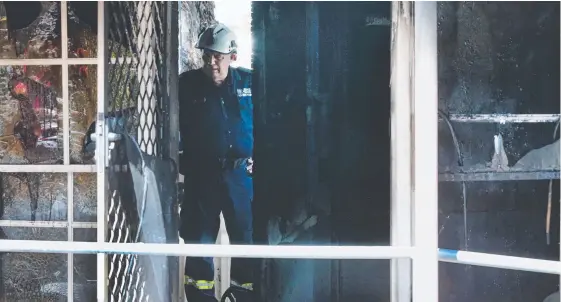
(229, 192)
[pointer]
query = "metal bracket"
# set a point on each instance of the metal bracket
(488, 175)
(497, 172)
(504, 118)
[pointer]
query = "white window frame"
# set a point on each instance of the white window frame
(425, 153)
(414, 176)
(401, 147)
(66, 167)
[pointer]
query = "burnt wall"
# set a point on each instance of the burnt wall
(493, 58)
(497, 58)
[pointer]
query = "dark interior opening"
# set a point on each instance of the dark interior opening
(368, 106)
(322, 95)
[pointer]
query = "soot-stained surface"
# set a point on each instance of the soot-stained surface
(493, 58)
(497, 58)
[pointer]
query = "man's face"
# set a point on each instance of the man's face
(216, 65)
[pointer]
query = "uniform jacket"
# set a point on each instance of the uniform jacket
(215, 122)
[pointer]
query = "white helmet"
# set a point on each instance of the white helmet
(218, 38)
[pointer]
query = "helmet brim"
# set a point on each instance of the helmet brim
(214, 50)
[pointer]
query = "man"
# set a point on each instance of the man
(216, 124)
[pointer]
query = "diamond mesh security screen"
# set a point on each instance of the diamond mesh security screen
(137, 100)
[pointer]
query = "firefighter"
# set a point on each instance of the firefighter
(216, 125)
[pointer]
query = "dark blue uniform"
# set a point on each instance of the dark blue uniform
(216, 125)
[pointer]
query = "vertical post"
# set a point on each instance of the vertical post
(70, 230)
(312, 92)
(342, 34)
(65, 93)
(66, 143)
(259, 66)
(223, 264)
(401, 190)
(101, 151)
(312, 118)
(171, 132)
(312, 49)
(425, 183)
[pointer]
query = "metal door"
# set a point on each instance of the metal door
(140, 52)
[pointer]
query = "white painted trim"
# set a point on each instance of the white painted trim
(425, 127)
(502, 261)
(400, 120)
(46, 224)
(210, 250)
(47, 62)
(504, 118)
(61, 61)
(101, 154)
(70, 228)
(65, 82)
(222, 265)
(66, 144)
(47, 168)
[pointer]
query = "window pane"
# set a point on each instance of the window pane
(33, 276)
(85, 197)
(35, 233)
(30, 30)
(82, 29)
(83, 108)
(85, 268)
(34, 196)
(30, 115)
